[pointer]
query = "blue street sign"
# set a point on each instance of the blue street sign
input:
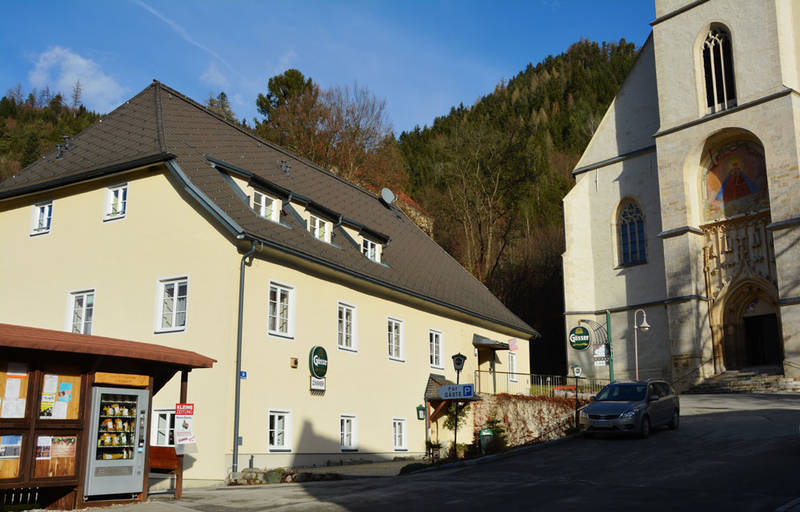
(242, 374)
(457, 391)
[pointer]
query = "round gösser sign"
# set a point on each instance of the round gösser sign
(318, 362)
(579, 338)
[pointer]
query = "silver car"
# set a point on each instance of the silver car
(632, 407)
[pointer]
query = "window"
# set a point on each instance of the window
(631, 235)
(348, 439)
(173, 295)
(512, 367)
(81, 311)
(345, 327)
(718, 70)
(162, 431)
(369, 249)
(319, 228)
(266, 206)
(116, 202)
(399, 434)
(435, 345)
(280, 318)
(279, 434)
(42, 217)
(395, 339)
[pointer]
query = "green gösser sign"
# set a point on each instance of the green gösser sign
(318, 362)
(579, 338)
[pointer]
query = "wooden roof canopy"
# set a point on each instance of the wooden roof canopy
(100, 353)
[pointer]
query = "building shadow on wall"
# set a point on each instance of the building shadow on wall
(639, 264)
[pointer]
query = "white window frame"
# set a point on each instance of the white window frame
(290, 291)
(161, 286)
(108, 214)
(40, 210)
(370, 250)
(390, 331)
(154, 427)
(440, 337)
(341, 305)
(287, 431)
(353, 420)
(315, 224)
(512, 367)
(403, 446)
(72, 296)
(260, 206)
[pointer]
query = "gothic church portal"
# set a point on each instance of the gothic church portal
(687, 199)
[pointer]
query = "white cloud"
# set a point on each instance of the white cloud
(214, 76)
(59, 68)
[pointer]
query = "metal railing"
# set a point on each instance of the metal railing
(530, 384)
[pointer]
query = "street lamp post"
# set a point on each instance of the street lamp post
(458, 364)
(645, 327)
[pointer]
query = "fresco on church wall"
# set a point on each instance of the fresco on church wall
(735, 181)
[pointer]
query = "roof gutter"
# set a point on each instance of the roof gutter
(203, 199)
(87, 175)
(319, 261)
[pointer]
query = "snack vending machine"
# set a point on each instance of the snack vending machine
(117, 441)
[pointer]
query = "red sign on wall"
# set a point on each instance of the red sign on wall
(184, 409)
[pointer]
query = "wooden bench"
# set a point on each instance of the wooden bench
(163, 458)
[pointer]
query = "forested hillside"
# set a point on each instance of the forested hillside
(493, 175)
(32, 124)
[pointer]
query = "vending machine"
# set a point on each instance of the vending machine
(117, 441)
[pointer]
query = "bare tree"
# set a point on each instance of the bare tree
(76, 94)
(16, 94)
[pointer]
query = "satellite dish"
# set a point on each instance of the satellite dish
(387, 196)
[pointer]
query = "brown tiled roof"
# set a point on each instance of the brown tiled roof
(34, 338)
(160, 124)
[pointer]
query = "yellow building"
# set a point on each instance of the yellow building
(167, 224)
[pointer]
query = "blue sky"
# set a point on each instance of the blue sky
(421, 57)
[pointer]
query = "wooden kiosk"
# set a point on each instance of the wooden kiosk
(47, 379)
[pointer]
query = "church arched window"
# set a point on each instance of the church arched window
(632, 247)
(718, 70)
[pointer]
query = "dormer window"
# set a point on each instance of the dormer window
(718, 70)
(320, 228)
(370, 250)
(266, 206)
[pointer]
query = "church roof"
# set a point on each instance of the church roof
(161, 125)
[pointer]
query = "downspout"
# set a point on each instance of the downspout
(235, 464)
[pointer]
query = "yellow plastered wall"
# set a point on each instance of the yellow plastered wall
(164, 235)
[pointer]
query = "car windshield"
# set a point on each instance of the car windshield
(622, 393)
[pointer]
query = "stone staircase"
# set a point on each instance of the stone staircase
(761, 379)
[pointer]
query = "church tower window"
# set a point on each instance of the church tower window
(718, 70)
(632, 247)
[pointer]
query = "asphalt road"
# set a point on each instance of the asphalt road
(732, 452)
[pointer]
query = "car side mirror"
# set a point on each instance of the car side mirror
(592, 398)
(652, 398)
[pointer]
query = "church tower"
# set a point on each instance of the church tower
(725, 195)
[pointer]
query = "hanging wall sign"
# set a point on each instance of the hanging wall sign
(184, 424)
(579, 338)
(318, 362)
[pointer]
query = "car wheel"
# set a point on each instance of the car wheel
(644, 430)
(675, 421)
